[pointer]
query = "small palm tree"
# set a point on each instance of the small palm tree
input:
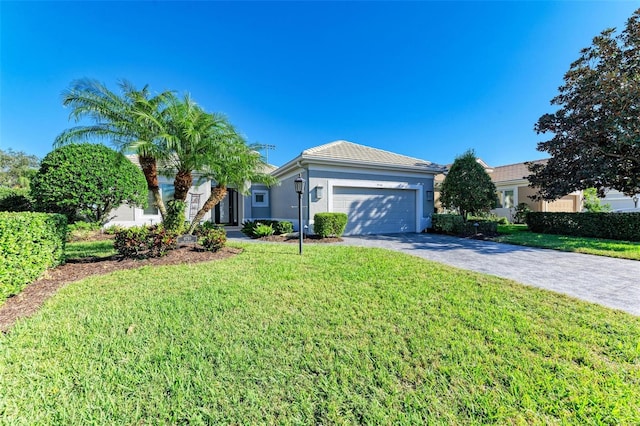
(191, 135)
(233, 163)
(132, 121)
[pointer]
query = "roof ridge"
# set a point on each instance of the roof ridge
(321, 147)
(521, 162)
(345, 142)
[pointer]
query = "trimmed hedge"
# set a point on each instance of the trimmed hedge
(612, 226)
(15, 200)
(446, 223)
(29, 244)
(329, 224)
(454, 225)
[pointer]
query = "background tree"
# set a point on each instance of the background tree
(132, 121)
(591, 202)
(467, 187)
(17, 169)
(87, 181)
(596, 129)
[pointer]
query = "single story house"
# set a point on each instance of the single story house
(381, 192)
(513, 188)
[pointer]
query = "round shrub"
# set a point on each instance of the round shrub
(86, 182)
(214, 239)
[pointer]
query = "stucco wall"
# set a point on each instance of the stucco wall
(284, 199)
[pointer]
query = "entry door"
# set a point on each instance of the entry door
(226, 211)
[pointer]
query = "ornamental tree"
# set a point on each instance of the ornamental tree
(468, 187)
(87, 181)
(596, 130)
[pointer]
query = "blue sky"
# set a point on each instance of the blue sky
(424, 79)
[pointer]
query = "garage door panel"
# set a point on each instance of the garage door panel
(376, 210)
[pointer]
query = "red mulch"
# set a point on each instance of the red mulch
(35, 294)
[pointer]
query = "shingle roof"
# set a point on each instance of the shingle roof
(349, 151)
(510, 172)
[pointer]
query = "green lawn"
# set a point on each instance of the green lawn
(340, 335)
(83, 249)
(518, 234)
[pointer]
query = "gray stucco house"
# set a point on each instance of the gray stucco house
(381, 192)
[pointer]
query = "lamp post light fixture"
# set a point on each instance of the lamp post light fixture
(299, 185)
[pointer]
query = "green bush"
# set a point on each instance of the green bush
(29, 244)
(202, 228)
(522, 210)
(454, 225)
(111, 230)
(613, 226)
(144, 241)
(329, 224)
(489, 217)
(263, 230)
(282, 227)
(250, 227)
(213, 239)
(87, 181)
(15, 200)
(176, 217)
(446, 223)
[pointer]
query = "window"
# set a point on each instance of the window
(151, 205)
(166, 191)
(507, 199)
(260, 198)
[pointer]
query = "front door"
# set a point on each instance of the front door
(226, 211)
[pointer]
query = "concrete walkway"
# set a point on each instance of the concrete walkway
(610, 282)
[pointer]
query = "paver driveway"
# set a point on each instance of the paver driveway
(614, 283)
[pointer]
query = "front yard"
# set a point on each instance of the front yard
(339, 335)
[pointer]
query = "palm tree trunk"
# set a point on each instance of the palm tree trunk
(182, 184)
(217, 194)
(150, 171)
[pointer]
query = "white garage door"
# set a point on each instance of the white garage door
(376, 210)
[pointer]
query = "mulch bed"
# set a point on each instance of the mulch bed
(35, 294)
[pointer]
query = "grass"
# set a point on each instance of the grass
(340, 335)
(79, 250)
(518, 234)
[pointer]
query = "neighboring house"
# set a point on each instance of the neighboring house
(380, 191)
(513, 188)
(618, 201)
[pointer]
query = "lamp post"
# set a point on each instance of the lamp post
(299, 185)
